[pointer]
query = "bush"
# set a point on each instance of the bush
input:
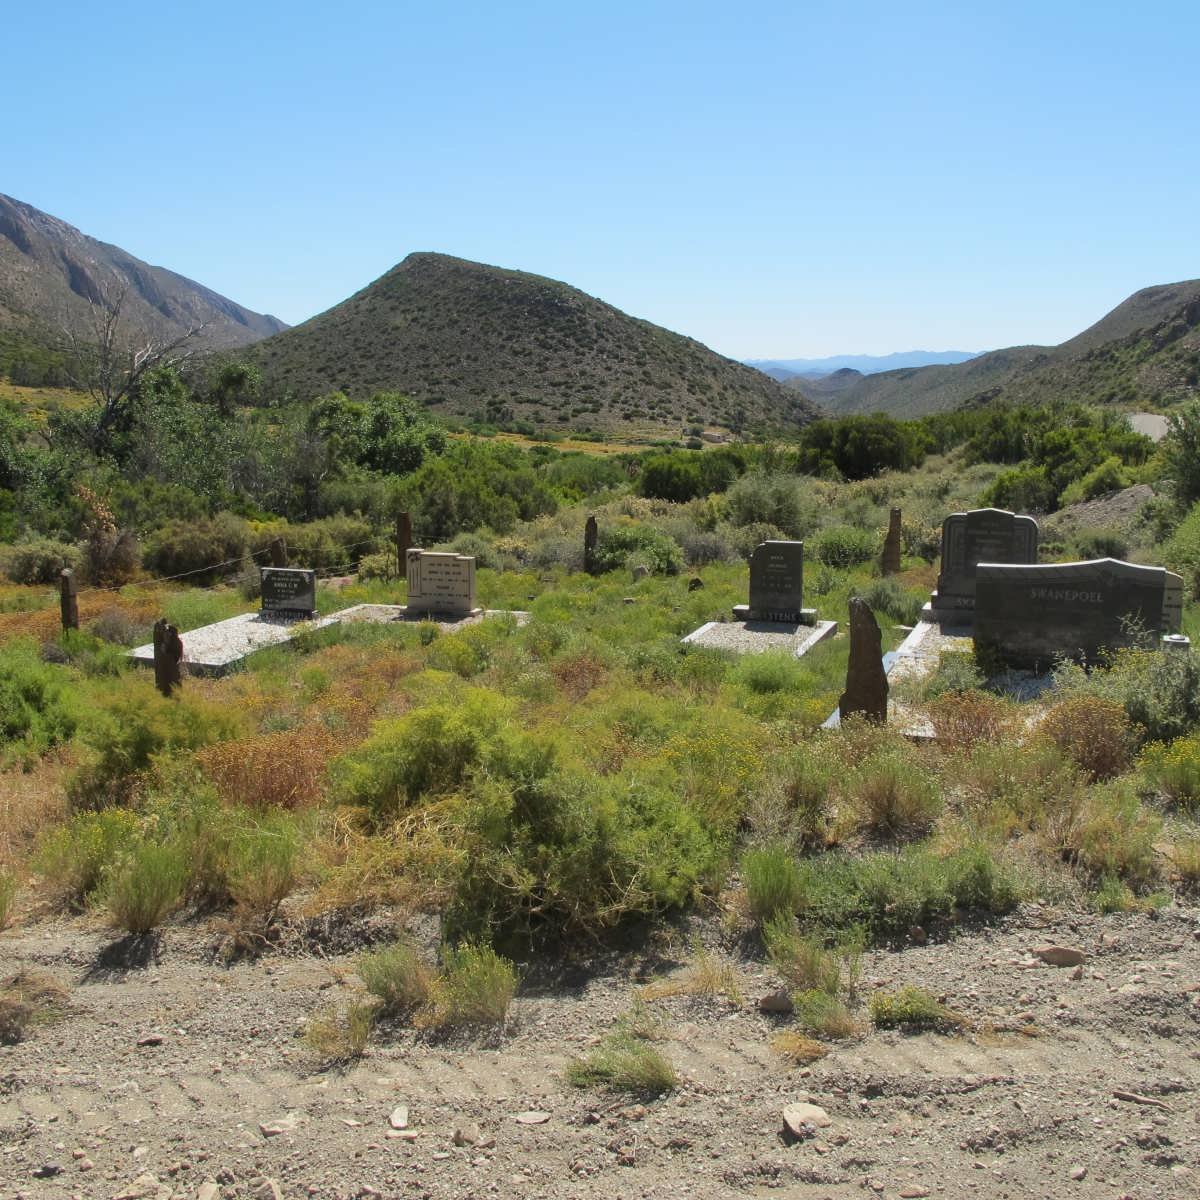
(397, 977)
(892, 796)
(622, 546)
(1093, 732)
(782, 501)
(1027, 489)
(1109, 476)
(378, 566)
(798, 791)
(1101, 543)
(1182, 550)
(474, 987)
(963, 719)
(74, 859)
(822, 1013)
(1174, 770)
(844, 546)
(145, 886)
(203, 550)
(912, 1008)
(1115, 836)
(340, 1034)
(957, 671)
(37, 710)
(271, 770)
(887, 596)
(263, 866)
(772, 882)
(38, 561)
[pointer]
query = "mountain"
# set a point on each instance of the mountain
(868, 364)
(1146, 352)
(51, 274)
(476, 340)
(822, 388)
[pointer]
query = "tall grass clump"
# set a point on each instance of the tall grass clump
(891, 796)
(73, 860)
(887, 596)
(773, 883)
(794, 803)
(769, 672)
(625, 1061)
(802, 959)
(962, 719)
(8, 892)
(37, 710)
(146, 885)
(914, 1009)
(475, 986)
(1093, 732)
(397, 977)
(263, 860)
(1115, 836)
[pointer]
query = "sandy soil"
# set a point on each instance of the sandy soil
(186, 1077)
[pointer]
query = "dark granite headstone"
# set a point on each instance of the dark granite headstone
(776, 585)
(866, 693)
(288, 592)
(981, 535)
(1031, 615)
(891, 544)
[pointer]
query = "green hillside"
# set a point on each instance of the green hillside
(480, 341)
(1143, 354)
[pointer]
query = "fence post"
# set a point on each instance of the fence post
(403, 543)
(168, 657)
(68, 599)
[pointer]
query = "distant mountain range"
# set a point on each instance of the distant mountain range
(784, 369)
(471, 339)
(50, 275)
(1144, 353)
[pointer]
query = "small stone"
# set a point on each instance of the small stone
(532, 1117)
(441, 1154)
(1078, 1173)
(47, 1171)
(403, 1135)
(465, 1135)
(86, 1164)
(776, 1002)
(1059, 956)
(351, 1123)
(141, 1188)
(141, 1152)
(151, 1039)
(914, 1191)
(802, 1120)
(1077, 974)
(268, 1189)
(399, 1117)
(79, 1152)
(286, 1124)
(209, 1190)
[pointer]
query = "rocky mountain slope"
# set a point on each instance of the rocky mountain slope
(51, 275)
(1145, 353)
(477, 340)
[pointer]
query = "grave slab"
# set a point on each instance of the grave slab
(757, 637)
(218, 649)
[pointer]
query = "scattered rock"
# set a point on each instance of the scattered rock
(776, 1002)
(86, 1164)
(465, 1135)
(286, 1124)
(532, 1117)
(1136, 1098)
(209, 1190)
(1059, 956)
(1078, 1173)
(914, 1191)
(399, 1117)
(151, 1039)
(142, 1187)
(268, 1189)
(47, 1171)
(803, 1120)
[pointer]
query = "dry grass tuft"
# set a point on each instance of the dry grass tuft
(964, 719)
(1093, 732)
(706, 975)
(30, 802)
(339, 1035)
(800, 1049)
(271, 770)
(28, 998)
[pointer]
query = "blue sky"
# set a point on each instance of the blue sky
(777, 180)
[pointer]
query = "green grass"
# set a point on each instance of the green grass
(914, 1009)
(773, 882)
(146, 886)
(626, 1061)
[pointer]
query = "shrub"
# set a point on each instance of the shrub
(892, 796)
(1182, 550)
(783, 501)
(772, 882)
(956, 671)
(963, 719)
(397, 977)
(474, 987)
(1115, 836)
(263, 866)
(1108, 476)
(1101, 543)
(38, 561)
(271, 770)
(1093, 732)
(624, 1061)
(799, 789)
(37, 710)
(378, 566)
(844, 546)
(203, 550)
(636, 544)
(74, 859)
(340, 1034)
(820, 1012)
(119, 628)
(887, 596)
(801, 959)
(145, 886)
(1175, 770)
(912, 1008)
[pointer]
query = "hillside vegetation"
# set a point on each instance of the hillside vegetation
(483, 342)
(1143, 354)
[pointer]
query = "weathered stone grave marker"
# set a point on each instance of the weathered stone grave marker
(891, 545)
(982, 535)
(866, 693)
(441, 583)
(1031, 615)
(168, 657)
(403, 542)
(591, 535)
(777, 586)
(278, 552)
(288, 592)
(68, 599)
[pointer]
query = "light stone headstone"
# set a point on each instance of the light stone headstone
(981, 535)
(440, 583)
(1032, 615)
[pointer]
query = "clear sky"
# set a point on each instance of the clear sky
(775, 179)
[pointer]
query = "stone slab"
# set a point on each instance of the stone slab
(757, 637)
(218, 649)
(441, 582)
(1029, 616)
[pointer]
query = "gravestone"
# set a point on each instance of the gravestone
(168, 657)
(591, 534)
(777, 586)
(278, 552)
(68, 599)
(288, 592)
(891, 545)
(1029, 616)
(866, 693)
(403, 542)
(982, 535)
(440, 583)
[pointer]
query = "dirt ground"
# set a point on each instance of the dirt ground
(183, 1077)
